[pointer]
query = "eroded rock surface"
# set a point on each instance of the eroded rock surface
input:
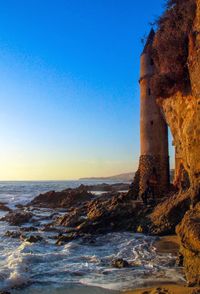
(169, 213)
(189, 233)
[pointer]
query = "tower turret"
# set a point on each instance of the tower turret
(154, 158)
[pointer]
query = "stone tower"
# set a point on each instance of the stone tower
(154, 158)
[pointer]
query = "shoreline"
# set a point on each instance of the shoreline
(164, 247)
(166, 244)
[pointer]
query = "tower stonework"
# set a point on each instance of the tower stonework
(154, 157)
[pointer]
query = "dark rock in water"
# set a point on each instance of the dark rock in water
(12, 234)
(189, 233)
(29, 229)
(20, 206)
(120, 263)
(17, 218)
(74, 197)
(169, 213)
(4, 207)
(64, 199)
(62, 239)
(4, 292)
(32, 239)
(88, 239)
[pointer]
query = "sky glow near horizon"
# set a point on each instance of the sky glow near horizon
(69, 89)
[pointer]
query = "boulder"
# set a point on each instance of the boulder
(120, 263)
(32, 238)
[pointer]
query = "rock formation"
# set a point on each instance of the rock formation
(63, 199)
(181, 109)
(189, 233)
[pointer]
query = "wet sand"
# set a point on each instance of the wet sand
(166, 289)
(74, 289)
(167, 244)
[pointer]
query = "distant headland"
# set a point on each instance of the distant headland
(125, 177)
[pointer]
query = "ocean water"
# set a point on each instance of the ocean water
(79, 266)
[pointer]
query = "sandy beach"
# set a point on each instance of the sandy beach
(166, 289)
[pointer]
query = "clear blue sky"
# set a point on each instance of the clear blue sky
(69, 87)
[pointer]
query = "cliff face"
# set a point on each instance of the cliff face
(189, 233)
(183, 117)
(194, 54)
(182, 112)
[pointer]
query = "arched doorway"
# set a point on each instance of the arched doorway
(172, 163)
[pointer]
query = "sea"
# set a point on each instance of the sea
(78, 266)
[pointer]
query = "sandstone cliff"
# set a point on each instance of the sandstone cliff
(182, 113)
(189, 233)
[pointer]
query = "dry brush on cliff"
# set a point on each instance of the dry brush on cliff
(170, 48)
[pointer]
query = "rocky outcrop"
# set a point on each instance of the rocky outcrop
(74, 197)
(17, 218)
(169, 213)
(104, 215)
(189, 233)
(64, 199)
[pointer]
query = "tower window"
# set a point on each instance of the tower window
(151, 61)
(151, 122)
(149, 92)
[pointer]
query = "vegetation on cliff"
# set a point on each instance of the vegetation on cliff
(170, 48)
